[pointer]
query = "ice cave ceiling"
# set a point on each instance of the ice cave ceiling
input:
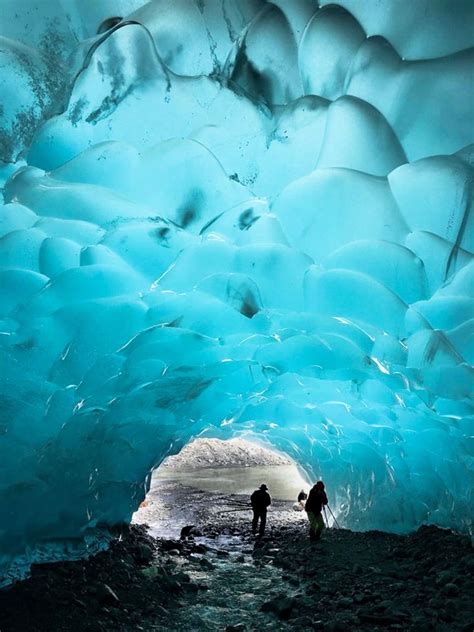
(234, 216)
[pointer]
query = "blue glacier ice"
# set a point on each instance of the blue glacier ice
(234, 218)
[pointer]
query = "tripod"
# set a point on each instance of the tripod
(333, 517)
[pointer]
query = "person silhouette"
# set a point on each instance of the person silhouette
(302, 496)
(317, 499)
(260, 501)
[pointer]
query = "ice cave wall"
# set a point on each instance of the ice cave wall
(234, 217)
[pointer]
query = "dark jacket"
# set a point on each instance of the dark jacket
(260, 500)
(316, 499)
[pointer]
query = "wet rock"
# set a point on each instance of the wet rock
(155, 572)
(238, 627)
(468, 564)
(384, 619)
(206, 564)
(181, 577)
(281, 606)
(115, 613)
(173, 586)
(97, 626)
(168, 545)
(268, 559)
(312, 589)
(187, 531)
(144, 554)
(106, 595)
(325, 590)
(336, 625)
(174, 552)
(450, 590)
(302, 623)
(345, 602)
(162, 611)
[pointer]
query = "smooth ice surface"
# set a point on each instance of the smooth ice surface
(233, 218)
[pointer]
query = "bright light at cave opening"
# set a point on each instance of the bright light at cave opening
(223, 469)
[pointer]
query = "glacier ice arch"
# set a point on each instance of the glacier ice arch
(233, 217)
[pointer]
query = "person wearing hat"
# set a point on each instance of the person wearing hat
(260, 500)
(317, 499)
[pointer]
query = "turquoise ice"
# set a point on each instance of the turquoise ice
(234, 218)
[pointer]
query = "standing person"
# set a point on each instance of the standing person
(260, 500)
(317, 499)
(302, 496)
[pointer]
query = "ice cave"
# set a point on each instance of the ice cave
(234, 218)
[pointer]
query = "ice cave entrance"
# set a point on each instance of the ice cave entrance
(208, 469)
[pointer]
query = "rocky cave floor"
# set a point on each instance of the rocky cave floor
(226, 580)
